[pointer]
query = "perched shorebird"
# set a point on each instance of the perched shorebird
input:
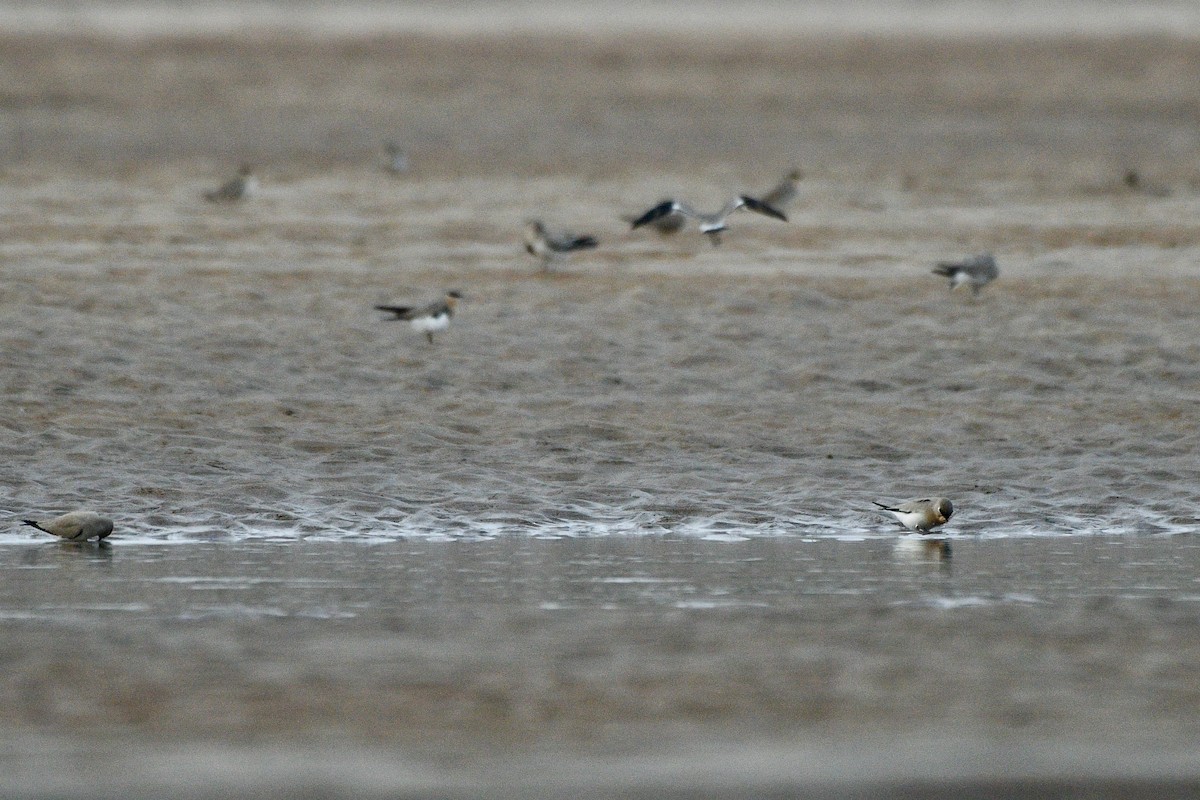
(784, 192)
(976, 271)
(76, 526)
(548, 246)
(1133, 180)
(241, 187)
(427, 319)
(921, 515)
(397, 163)
(710, 225)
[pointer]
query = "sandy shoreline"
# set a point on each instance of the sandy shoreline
(573, 530)
(925, 117)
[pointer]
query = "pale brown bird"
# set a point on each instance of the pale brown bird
(553, 246)
(75, 526)
(427, 319)
(784, 192)
(921, 515)
(241, 187)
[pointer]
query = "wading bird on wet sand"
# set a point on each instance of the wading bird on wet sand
(976, 271)
(921, 515)
(553, 246)
(239, 188)
(427, 319)
(397, 158)
(75, 526)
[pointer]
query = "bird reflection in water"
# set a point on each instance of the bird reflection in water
(62, 553)
(922, 550)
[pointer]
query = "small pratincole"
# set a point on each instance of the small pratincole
(784, 192)
(553, 246)
(76, 526)
(397, 162)
(921, 515)
(710, 225)
(241, 187)
(427, 319)
(976, 271)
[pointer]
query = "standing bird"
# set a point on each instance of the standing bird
(397, 158)
(976, 271)
(921, 515)
(548, 246)
(710, 225)
(784, 192)
(76, 526)
(427, 319)
(241, 187)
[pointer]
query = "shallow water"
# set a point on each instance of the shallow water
(597, 404)
(324, 580)
(612, 533)
(612, 666)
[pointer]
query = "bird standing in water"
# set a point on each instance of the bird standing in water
(75, 526)
(921, 515)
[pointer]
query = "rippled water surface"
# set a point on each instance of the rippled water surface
(203, 407)
(324, 580)
(612, 533)
(218, 372)
(648, 665)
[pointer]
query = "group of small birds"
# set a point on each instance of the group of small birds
(245, 184)
(667, 217)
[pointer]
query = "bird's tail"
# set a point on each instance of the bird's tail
(582, 243)
(885, 508)
(946, 270)
(34, 523)
(399, 311)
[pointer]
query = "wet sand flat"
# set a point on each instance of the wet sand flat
(611, 534)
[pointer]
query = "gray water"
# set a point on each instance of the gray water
(324, 580)
(612, 534)
(602, 666)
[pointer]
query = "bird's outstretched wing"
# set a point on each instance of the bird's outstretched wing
(658, 212)
(401, 312)
(580, 243)
(752, 204)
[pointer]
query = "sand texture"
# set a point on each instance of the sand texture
(214, 376)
